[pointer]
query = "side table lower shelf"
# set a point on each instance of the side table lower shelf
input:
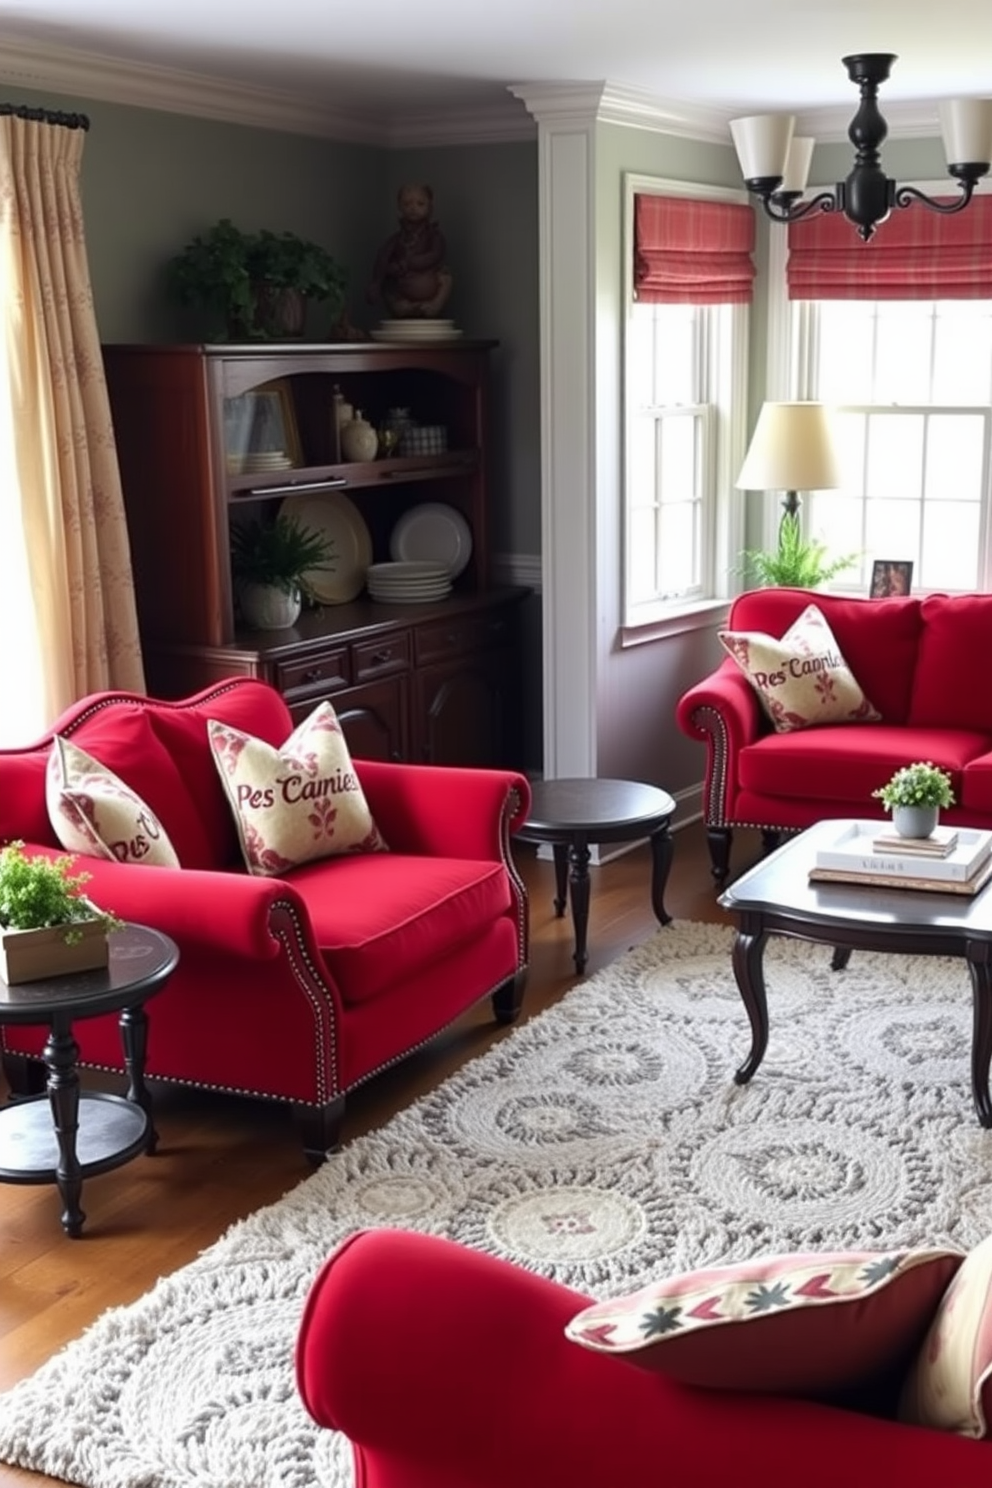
(111, 1131)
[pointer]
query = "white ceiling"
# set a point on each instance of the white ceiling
(384, 61)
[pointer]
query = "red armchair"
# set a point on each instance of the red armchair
(298, 988)
(447, 1368)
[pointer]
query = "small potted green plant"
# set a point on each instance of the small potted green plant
(212, 271)
(797, 562)
(270, 562)
(47, 925)
(915, 795)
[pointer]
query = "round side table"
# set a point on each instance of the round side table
(66, 1134)
(569, 814)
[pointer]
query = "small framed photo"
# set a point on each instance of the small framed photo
(890, 576)
(260, 429)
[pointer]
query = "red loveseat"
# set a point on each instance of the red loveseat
(447, 1368)
(922, 663)
(301, 987)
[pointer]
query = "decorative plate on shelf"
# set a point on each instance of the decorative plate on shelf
(432, 533)
(337, 518)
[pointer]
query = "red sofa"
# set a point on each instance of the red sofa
(296, 988)
(447, 1368)
(921, 662)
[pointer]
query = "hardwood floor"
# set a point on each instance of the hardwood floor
(221, 1158)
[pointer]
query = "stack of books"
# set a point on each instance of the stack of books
(952, 861)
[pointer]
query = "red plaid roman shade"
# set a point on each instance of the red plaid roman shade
(915, 255)
(691, 252)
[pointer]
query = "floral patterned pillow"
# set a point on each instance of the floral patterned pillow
(950, 1385)
(92, 811)
(794, 1324)
(802, 679)
(296, 803)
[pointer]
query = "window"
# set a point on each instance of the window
(684, 397)
(912, 382)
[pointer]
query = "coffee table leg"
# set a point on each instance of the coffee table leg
(560, 851)
(578, 883)
(134, 1037)
(61, 1056)
(748, 954)
(981, 1039)
(662, 851)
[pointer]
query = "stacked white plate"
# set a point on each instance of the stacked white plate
(408, 583)
(416, 329)
(259, 461)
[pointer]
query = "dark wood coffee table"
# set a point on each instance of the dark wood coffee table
(66, 1134)
(776, 898)
(569, 814)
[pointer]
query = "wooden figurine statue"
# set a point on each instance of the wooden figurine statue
(410, 275)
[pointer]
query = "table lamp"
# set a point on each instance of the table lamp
(791, 450)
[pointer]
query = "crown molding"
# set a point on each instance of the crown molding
(493, 124)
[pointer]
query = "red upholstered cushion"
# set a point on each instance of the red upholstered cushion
(23, 808)
(975, 791)
(878, 638)
(258, 710)
(797, 1324)
(848, 762)
(121, 737)
(950, 688)
(382, 915)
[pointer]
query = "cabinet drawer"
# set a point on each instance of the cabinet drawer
(382, 658)
(322, 671)
(461, 637)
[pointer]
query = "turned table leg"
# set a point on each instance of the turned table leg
(748, 955)
(61, 1055)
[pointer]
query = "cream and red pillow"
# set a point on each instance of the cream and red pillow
(92, 811)
(802, 679)
(298, 802)
(795, 1324)
(950, 1385)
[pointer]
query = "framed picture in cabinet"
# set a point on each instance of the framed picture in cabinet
(260, 430)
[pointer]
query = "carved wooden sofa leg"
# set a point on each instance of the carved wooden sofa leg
(508, 998)
(24, 1076)
(320, 1127)
(719, 840)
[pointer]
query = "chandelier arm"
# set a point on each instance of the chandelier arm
(904, 195)
(795, 212)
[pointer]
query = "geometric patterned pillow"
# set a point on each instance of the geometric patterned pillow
(92, 811)
(796, 1324)
(802, 679)
(296, 803)
(950, 1384)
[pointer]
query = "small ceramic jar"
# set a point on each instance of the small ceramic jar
(359, 441)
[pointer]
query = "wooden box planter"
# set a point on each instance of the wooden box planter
(29, 955)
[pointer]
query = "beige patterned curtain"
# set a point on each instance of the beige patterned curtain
(67, 610)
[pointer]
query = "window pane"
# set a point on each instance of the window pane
(845, 377)
(955, 456)
(677, 457)
(895, 456)
(678, 549)
(642, 546)
(903, 349)
(950, 543)
(962, 371)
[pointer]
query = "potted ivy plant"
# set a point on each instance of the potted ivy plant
(915, 795)
(270, 562)
(286, 271)
(47, 925)
(259, 282)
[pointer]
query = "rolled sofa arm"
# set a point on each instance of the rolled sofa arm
(723, 710)
(444, 811)
(192, 905)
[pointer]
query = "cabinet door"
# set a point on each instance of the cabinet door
(461, 711)
(373, 717)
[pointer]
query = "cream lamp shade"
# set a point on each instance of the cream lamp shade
(792, 449)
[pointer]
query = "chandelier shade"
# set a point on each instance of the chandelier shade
(775, 162)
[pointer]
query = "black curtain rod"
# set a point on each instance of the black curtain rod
(46, 116)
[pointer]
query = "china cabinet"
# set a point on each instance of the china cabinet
(210, 436)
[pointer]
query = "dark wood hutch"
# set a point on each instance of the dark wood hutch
(436, 682)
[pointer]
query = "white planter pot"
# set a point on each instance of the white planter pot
(265, 607)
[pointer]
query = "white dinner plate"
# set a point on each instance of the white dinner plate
(432, 533)
(336, 517)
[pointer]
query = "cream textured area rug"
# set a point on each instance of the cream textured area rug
(602, 1143)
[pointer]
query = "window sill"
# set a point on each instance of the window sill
(699, 616)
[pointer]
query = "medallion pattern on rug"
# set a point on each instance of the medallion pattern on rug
(604, 1143)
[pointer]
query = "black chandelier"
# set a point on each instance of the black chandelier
(775, 163)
